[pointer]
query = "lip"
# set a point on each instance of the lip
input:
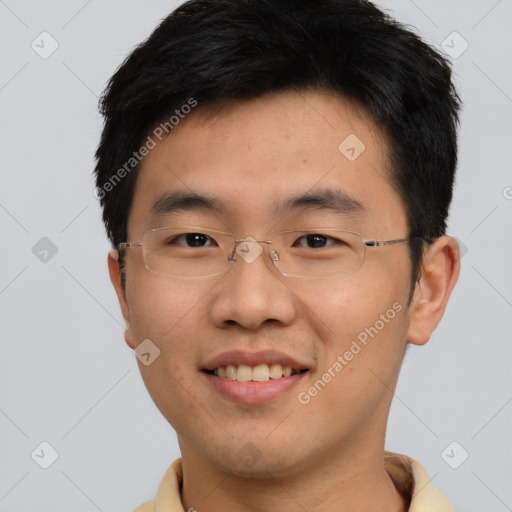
(252, 359)
(253, 392)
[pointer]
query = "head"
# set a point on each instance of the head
(248, 104)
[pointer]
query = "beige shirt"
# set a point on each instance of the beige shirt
(407, 475)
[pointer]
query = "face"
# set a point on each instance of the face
(267, 166)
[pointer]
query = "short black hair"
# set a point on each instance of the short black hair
(210, 51)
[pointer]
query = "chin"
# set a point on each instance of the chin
(257, 459)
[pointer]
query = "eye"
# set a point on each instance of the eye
(192, 240)
(316, 241)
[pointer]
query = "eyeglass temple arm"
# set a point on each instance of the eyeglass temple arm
(380, 243)
(128, 245)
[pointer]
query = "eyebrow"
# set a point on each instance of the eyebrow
(323, 199)
(179, 201)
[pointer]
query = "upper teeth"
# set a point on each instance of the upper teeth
(260, 373)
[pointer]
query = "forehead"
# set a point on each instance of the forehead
(253, 158)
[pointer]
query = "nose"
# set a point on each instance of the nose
(253, 293)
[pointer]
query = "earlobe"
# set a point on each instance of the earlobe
(114, 270)
(438, 275)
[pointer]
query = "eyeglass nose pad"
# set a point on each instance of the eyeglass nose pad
(274, 256)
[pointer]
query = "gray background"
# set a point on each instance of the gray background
(67, 377)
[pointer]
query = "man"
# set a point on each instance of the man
(275, 180)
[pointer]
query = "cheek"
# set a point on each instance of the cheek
(363, 320)
(160, 307)
(342, 308)
(360, 361)
(168, 312)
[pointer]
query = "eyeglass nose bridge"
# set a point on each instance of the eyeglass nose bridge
(249, 249)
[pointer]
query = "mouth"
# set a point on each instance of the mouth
(253, 378)
(260, 373)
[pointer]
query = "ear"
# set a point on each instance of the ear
(114, 270)
(438, 275)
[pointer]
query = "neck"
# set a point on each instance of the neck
(354, 483)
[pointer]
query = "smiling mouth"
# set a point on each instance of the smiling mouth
(259, 373)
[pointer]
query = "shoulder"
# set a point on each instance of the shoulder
(412, 481)
(168, 497)
(148, 506)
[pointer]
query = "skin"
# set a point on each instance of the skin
(326, 455)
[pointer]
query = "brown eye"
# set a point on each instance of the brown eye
(192, 240)
(315, 241)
